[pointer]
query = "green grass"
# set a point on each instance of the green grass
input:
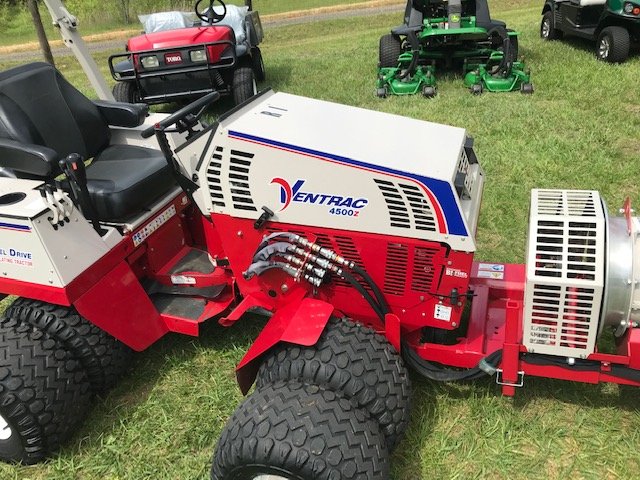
(16, 26)
(579, 130)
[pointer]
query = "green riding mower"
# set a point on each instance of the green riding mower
(450, 35)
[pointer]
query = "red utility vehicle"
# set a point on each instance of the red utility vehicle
(182, 56)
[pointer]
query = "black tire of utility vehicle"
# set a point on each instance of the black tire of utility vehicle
(613, 45)
(548, 30)
(300, 432)
(103, 358)
(126, 92)
(244, 85)
(44, 394)
(257, 62)
(353, 360)
(390, 50)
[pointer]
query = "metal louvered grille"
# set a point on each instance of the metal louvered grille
(239, 164)
(565, 281)
(395, 273)
(228, 179)
(423, 269)
(407, 205)
(214, 173)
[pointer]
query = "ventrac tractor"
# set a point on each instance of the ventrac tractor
(318, 215)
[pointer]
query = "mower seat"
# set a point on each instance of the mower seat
(43, 118)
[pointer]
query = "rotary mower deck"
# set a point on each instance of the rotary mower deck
(444, 35)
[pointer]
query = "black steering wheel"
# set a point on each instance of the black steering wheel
(184, 119)
(209, 15)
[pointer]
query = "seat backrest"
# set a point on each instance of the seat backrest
(39, 107)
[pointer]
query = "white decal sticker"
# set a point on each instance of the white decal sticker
(16, 257)
(492, 267)
(489, 274)
(454, 272)
(442, 312)
(144, 233)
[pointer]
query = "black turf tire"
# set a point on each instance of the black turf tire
(390, 50)
(619, 44)
(103, 358)
(548, 30)
(244, 85)
(257, 62)
(351, 359)
(44, 394)
(300, 432)
(126, 92)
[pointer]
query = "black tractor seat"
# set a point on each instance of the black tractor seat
(43, 119)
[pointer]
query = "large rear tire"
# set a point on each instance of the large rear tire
(104, 358)
(44, 394)
(244, 85)
(390, 50)
(353, 360)
(294, 431)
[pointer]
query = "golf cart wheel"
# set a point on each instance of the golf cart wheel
(390, 50)
(296, 431)
(353, 360)
(526, 88)
(44, 394)
(244, 85)
(548, 30)
(429, 91)
(103, 358)
(126, 92)
(257, 63)
(476, 89)
(613, 45)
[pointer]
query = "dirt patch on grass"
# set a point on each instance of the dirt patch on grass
(630, 147)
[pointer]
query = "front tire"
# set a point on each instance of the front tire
(548, 30)
(104, 358)
(44, 394)
(126, 92)
(257, 63)
(294, 431)
(613, 45)
(354, 361)
(244, 85)
(390, 50)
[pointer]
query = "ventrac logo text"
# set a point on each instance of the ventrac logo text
(339, 204)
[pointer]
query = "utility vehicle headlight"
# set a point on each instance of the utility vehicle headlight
(198, 55)
(149, 62)
(628, 8)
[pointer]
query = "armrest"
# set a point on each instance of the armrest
(28, 158)
(118, 114)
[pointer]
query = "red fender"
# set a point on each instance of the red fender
(119, 305)
(300, 322)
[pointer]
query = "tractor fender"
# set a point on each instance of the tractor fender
(300, 322)
(118, 304)
(548, 7)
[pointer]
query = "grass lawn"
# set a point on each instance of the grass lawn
(579, 130)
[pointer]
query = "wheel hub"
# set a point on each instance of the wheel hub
(5, 433)
(603, 49)
(546, 28)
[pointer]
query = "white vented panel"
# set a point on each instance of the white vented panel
(565, 272)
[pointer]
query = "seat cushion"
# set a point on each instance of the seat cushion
(123, 179)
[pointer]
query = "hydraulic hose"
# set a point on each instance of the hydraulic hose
(445, 374)
(505, 64)
(384, 306)
(415, 52)
(363, 291)
(272, 249)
